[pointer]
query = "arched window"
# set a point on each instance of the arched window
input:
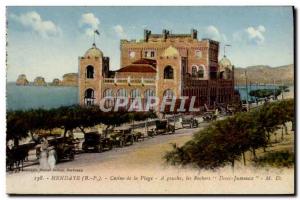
(222, 75)
(135, 93)
(89, 97)
(90, 71)
(168, 72)
(194, 71)
(148, 98)
(148, 93)
(168, 94)
(122, 96)
(201, 72)
(108, 94)
(122, 93)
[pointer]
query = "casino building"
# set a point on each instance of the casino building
(166, 64)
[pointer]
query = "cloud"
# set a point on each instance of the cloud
(213, 33)
(252, 35)
(120, 31)
(34, 21)
(90, 23)
(256, 34)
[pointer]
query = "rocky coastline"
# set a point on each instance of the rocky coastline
(68, 80)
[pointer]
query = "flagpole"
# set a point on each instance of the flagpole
(94, 38)
(226, 45)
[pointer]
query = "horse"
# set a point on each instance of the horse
(16, 156)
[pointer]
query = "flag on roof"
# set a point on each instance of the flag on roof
(97, 32)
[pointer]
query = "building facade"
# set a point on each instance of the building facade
(161, 65)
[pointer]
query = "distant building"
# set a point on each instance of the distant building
(161, 65)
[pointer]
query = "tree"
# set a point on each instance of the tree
(16, 126)
(284, 88)
(21, 123)
(225, 141)
(265, 93)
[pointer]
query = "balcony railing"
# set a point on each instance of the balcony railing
(130, 81)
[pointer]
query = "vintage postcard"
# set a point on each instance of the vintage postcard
(150, 100)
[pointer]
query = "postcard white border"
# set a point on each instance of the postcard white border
(5, 3)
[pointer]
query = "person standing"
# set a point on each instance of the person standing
(43, 160)
(51, 157)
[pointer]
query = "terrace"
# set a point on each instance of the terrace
(129, 81)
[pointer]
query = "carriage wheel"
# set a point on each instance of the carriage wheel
(132, 140)
(121, 144)
(99, 148)
(72, 156)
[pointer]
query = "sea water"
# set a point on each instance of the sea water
(27, 97)
(243, 90)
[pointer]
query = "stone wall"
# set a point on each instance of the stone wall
(90, 83)
(198, 52)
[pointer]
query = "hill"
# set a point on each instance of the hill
(265, 74)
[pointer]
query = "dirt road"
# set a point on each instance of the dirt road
(141, 169)
(143, 153)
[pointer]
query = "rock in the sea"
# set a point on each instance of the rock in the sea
(56, 82)
(70, 79)
(39, 81)
(22, 80)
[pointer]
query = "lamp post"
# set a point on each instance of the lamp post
(274, 89)
(246, 78)
(282, 90)
(247, 97)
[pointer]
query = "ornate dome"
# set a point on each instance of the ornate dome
(93, 52)
(225, 63)
(170, 51)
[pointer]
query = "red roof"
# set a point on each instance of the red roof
(143, 65)
(140, 68)
(146, 61)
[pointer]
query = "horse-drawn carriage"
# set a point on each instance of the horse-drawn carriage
(63, 146)
(16, 155)
(163, 126)
(96, 142)
(138, 136)
(122, 137)
(151, 132)
(189, 121)
(209, 116)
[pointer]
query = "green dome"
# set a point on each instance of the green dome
(94, 52)
(225, 63)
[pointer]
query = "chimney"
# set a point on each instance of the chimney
(194, 33)
(165, 33)
(147, 33)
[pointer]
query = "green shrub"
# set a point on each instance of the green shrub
(225, 141)
(21, 123)
(276, 159)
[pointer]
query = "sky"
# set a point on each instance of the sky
(47, 41)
